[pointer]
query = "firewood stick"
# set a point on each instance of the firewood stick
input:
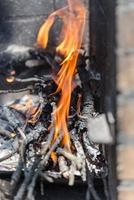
(40, 166)
(21, 132)
(88, 109)
(48, 143)
(10, 154)
(106, 189)
(72, 173)
(53, 147)
(71, 157)
(27, 80)
(46, 177)
(53, 174)
(89, 165)
(63, 166)
(83, 171)
(34, 79)
(15, 53)
(31, 189)
(88, 101)
(90, 148)
(41, 187)
(16, 91)
(17, 174)
(6, 133)
(80, 153)
(77, 144)
(28, 177)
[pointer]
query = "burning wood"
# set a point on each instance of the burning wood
(30, 119)
(48, 126)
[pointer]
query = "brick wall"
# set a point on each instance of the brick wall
(125, 100)
(112, 49)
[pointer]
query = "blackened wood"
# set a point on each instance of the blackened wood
(74, 100)
(21, 192)
(9, 155)
(88, 109)
(15, 56)
(80, 152)
(92, 189)
(14, 118)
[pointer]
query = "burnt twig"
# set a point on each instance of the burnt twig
(72, 173)
(63, 166)
(42, 163)
(9, 155)
(71, 157)
(88, 109)
(28, 88)
(80, 152)
(15, 148)
(92, 190)
(28, 177)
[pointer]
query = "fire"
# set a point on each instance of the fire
(73, 19)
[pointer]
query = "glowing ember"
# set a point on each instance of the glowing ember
(73, 19)
(10, 79)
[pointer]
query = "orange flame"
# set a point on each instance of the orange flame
(73, 19)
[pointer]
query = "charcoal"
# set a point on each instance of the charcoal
(6, 128)
(50, 87)
(14, 53)
(94, 75)
(42, 54)
(74, 98)
(46, 114)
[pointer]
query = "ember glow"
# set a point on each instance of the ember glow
(73, 19)
(10, 79)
